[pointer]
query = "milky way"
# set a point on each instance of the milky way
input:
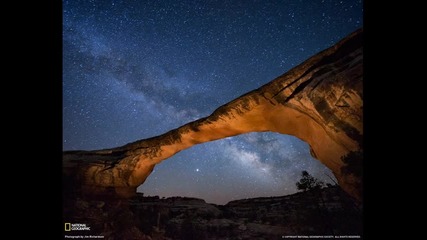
(136, 69)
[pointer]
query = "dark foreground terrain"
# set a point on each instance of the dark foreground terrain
(328, 212)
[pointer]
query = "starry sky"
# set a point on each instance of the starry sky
(138, 68)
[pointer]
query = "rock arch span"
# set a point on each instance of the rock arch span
(320, 101)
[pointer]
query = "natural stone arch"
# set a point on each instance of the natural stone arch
(319, 101)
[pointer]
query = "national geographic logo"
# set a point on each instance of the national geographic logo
(76, 227)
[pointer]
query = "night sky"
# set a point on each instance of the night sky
(137, 69)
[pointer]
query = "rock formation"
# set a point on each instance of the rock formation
(325, 212)
(319, 101)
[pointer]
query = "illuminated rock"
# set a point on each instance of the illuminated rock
(319, 101)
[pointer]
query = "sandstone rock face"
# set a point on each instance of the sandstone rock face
(320, 101)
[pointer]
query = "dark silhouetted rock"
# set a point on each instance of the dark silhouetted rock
(319, 212)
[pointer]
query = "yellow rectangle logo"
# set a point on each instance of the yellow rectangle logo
(67, 226)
